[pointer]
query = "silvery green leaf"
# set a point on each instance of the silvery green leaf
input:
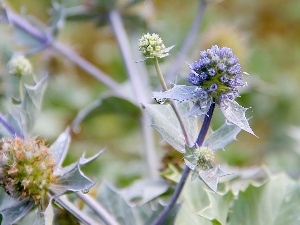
(37, 91)
(189, 157)
(5, 200)
(57, 17)
(48, 215)
(14, 213)
(276, 202)
(222, 137)
(60, 171)
(234, 113)
(200, 107)
(211, 176)
(27, 111)
(164, 120)
(72, 180)
(60, 147)
(83, 160)
(178, 92)
(115, 204)
(143, 191)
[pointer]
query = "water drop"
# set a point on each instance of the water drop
(85, 191)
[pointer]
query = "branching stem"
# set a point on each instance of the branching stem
(160, 219)
(165, 88)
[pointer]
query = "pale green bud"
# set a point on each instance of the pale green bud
(205, 157)
(20, 66)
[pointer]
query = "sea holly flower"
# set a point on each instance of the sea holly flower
(201, 159)
(151, 45)
(20, 66)
(32, 175)
(215, 77)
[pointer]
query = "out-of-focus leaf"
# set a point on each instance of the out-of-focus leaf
(60, 147)
(194, 198)
(125, 214)
(164, 120)
(57, 17)
(49, 215)
(275, 203)
(143, 191)
(30, 106)
(234, 113)
(178, 93)
(36, 92)
(169, 220)
(222, 137)
(219, 207)
(13, 213)
(116, 205)
(133, 2)
(211, 176)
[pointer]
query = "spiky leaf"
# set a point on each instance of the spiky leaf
(178, 92)
(211, 176)
(222, 137)
(275, 203)
(73, 180)
(234, 113)
(200, 107)
(164, 120)
(14, 213)
(60, 147)
(143, 191)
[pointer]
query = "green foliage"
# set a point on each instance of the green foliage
(115, 202)
(164, 120)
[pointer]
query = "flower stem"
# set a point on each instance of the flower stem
(98, 209)
(160, 219)
(67, 205)
(165, 88)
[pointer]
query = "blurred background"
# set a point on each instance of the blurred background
(263, 34)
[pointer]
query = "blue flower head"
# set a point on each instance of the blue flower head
(217, 72)
(215, 77)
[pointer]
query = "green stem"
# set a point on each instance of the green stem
(165, 88)
(67, 205)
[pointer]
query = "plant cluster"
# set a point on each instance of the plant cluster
(36, 186)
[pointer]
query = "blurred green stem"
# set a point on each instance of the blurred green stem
(67, 205)
(98, 209)
(139, 91)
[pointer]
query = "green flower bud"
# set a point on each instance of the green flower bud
(26, 169)
(20, 66)
(205, 157)
(151, 45)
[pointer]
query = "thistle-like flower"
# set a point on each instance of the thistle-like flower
(20, 66)
(27, 169)
(151, 45)
(218, 74)
(31, 175)
(204, 157)
(215, 77)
